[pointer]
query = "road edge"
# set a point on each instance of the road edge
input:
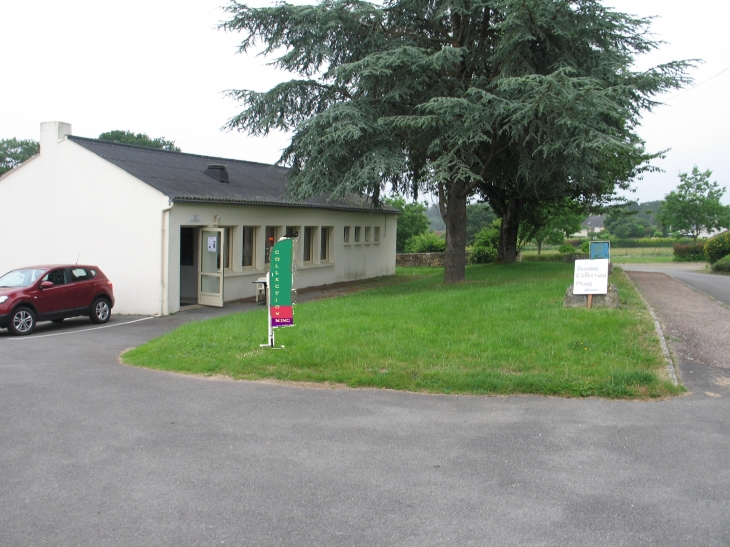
(660, 333)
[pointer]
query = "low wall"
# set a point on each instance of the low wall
(422, 259)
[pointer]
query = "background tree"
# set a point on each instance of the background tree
(695, 205)
(478, 217)
(522, 102)
(411, 222)
(561, 222)
(13, 152)
(434, 217)
(140, 139)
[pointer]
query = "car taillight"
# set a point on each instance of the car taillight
(110, 284)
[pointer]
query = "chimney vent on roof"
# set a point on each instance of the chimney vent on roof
(217, 171)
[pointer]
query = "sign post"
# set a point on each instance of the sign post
(590, 277)
(278, 297)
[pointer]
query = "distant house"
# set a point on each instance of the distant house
(592, 225)
(170, 228)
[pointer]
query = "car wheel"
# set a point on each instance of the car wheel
(22, 321)
(100, 310)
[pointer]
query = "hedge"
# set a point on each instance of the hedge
(689, 252)
(722, 265)
(718, 247)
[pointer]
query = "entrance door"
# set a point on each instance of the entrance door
(210, 273)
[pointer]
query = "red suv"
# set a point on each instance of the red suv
(53, 293)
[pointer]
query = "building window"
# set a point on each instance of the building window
(357, 234)
(269, 243)
(377, 234)
(291, 231)
(307, 255)
(249, 251)
(367, 234)
(346, 235)
(324, 245)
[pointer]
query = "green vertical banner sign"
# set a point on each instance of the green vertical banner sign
(280, 284)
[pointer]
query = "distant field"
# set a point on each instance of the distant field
(636, 255)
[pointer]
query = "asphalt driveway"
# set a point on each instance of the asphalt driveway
(97, 453)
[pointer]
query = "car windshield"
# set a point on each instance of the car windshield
(20, 278)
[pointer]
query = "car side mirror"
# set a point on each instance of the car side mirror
(46, 284)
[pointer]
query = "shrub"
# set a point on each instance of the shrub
(566, 249)
(689, 252)
(722, 265)
(427, 242)
(718, 247)
(585, 248)
(483, 255)
(658, 234)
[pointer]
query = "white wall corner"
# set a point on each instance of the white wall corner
(52, 133)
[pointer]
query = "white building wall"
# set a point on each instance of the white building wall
(68, 203)
(347, 261)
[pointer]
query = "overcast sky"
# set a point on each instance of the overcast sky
(160, 67)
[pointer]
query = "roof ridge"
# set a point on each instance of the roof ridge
(148, 148)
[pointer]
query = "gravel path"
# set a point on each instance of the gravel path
(697, 330)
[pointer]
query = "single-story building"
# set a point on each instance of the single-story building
(173, 228)
(591, 225)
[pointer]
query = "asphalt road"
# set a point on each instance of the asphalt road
(694, 274)
(95, 453)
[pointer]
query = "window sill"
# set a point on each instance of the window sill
(312, 266)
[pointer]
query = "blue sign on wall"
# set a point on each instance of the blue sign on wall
(600, 249)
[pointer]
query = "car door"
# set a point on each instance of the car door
(80, 289)
(53, 302)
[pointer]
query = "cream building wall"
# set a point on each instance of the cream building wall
(69, 203)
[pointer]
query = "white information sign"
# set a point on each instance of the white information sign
(212, 243)
(195, 218)
(591, 276)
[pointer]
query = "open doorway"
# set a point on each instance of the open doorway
(188, 266)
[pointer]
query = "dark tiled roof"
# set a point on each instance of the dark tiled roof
(182, 177)
(594, 221)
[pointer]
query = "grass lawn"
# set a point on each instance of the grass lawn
(504, 330)
(622, 255)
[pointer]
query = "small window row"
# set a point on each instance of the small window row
(360, 234)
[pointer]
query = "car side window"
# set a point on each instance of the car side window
(57, 277)
(79, 274)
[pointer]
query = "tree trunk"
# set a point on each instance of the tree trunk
(539, 247)
(507, 251)
(455, 219)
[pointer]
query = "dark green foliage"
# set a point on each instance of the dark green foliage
(486, 240)
(718, 247)
(567, 249)
(722, 265)
(483, 255)
(689, 252)
(524, 103)
(695, 206)
(411, 223)
(427, 242)
(140, 139)
(478, 216)
(13, 152)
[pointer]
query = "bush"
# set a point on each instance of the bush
(689, 252)
(722, 265)
(718, 247)
(658, 234)
(483, 255)
(585, 247)
(427, 242)
(566, 249)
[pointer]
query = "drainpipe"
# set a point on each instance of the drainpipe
(164, 259)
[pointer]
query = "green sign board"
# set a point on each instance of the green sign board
(280, 284)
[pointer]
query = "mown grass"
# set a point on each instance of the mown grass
(502, 331)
